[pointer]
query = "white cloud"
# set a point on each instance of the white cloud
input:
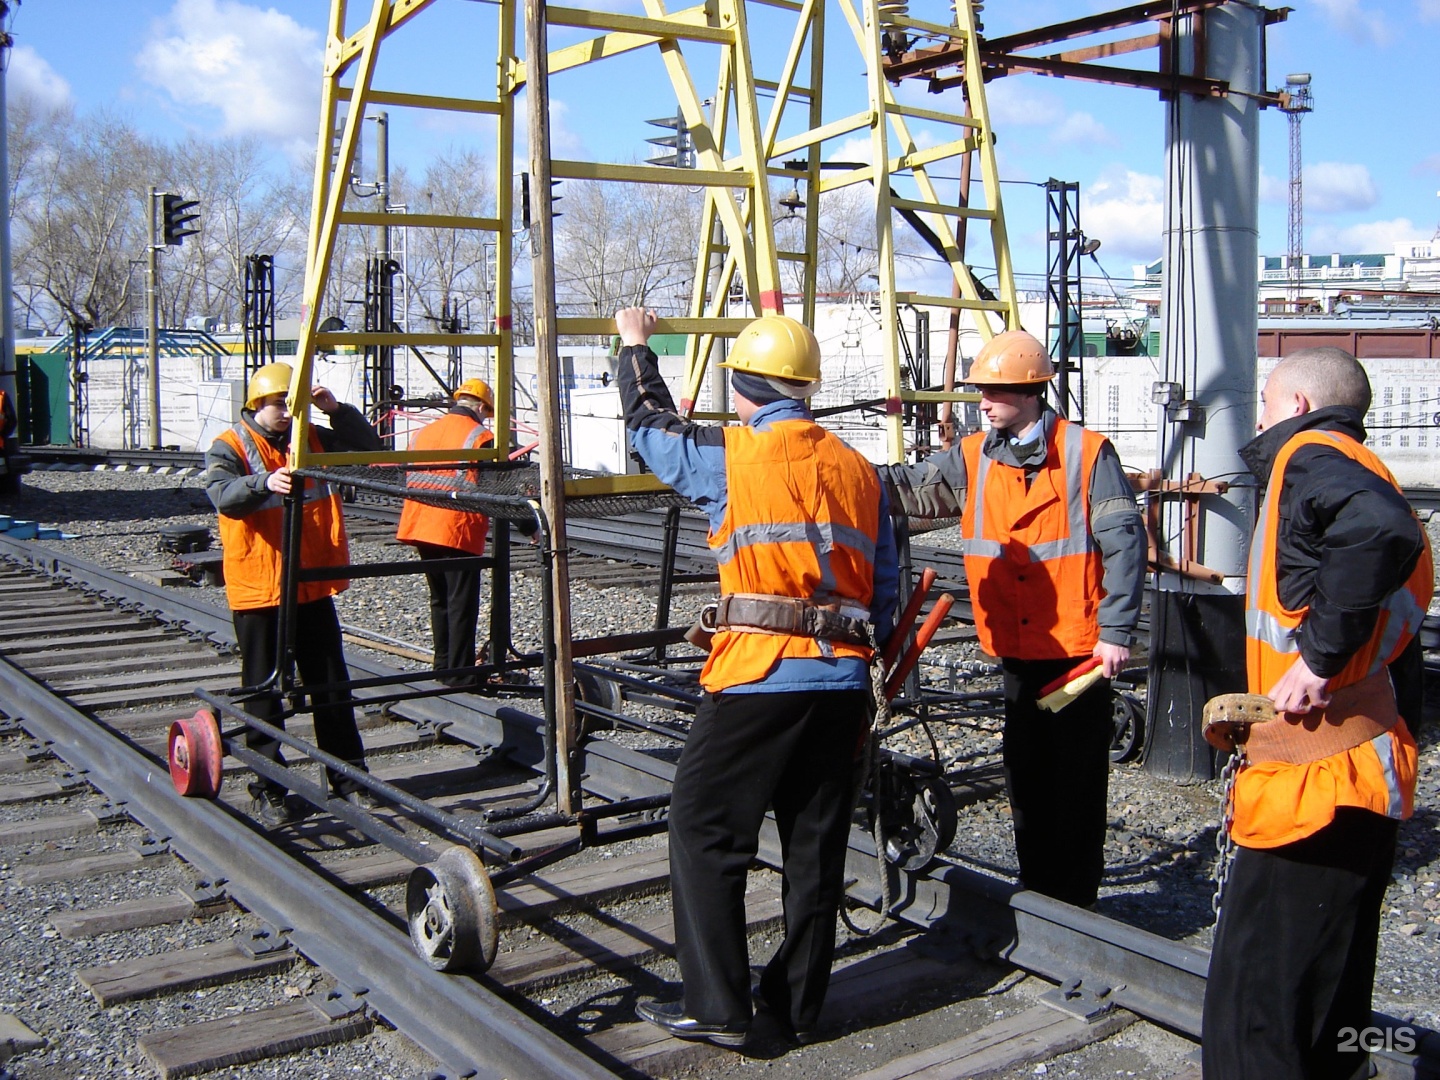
(258, 68)
(1274, 189)
(1017, 103)
(565, 142)
(855, 148)
(1428, 10)
(1357, 20)
(30, 78)
(1125, 210)
(1370, 237)
(1082, 129)
(1337, 187)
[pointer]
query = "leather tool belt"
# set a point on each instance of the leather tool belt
(762, 613)
(1356, 714)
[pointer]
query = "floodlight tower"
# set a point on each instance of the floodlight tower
(1295, 102)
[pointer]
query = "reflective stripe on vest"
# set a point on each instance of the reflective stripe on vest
(802, 518)
(1272, 631)
(314, 490)
(1275, 803)
(445, 526)
(1034, 569)
(252, 543)
(1079, 541)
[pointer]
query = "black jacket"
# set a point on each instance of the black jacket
(1347, 540)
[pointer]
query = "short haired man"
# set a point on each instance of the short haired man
(801, 531)
(1340, 578)
(439, 532)
(247, 477)
(1055, 557)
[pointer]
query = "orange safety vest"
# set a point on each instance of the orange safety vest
(802, 518)
(8, 420)
(464, 530)
(1034, 569)
(252, 543)
(1274, 802)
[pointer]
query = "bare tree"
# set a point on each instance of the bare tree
(848, 253)
(244, 210)
(447, 267)
(82, 221)
(622, 244)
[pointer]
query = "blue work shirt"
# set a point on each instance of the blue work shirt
(690, 458)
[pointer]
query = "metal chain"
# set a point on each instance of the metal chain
(1224, 845)
(869, 771)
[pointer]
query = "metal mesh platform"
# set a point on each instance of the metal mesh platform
(497, 489)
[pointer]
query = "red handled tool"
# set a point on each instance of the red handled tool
(1055, 695)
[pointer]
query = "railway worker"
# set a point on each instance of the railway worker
(1340, 577)
(438, 532)
(802, 533)
(1055, 556)
(246, 478)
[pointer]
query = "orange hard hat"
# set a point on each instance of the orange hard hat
(476, 388)
(1014, 358)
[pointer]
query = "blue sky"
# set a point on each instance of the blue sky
(226, 67)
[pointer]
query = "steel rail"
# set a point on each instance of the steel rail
(458, 1020)
(1158, 979)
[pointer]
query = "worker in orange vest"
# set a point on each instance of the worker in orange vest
(1055, 557)
(801, 531)
(440, 532)
(1339, 581)
(247, 477)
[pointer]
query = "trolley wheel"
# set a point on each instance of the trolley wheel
(918, 816)
(450, 905)
(195, 755)
(603, 693)
(1128, 735)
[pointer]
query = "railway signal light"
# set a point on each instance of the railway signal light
(555, 197)
(177, 219)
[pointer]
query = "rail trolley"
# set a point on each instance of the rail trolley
(459, 857)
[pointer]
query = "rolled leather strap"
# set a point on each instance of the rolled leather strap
(763, 613)
(1356, 714)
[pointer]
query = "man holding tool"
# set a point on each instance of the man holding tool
(801, 530)
(1340, 579)
(1055, 555)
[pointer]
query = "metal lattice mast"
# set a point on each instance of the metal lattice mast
(1295, 102)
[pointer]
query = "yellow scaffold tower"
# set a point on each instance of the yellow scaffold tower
(754, 127)
(777, 111)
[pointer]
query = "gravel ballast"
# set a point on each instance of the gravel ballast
(1160, 849)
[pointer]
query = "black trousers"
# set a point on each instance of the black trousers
(794, 752)
(320, 659)
(1293, 961)
(454, 609)
(1057, 770)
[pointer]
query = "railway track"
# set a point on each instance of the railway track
(98, 664)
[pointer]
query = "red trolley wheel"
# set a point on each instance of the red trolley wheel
(195, 755)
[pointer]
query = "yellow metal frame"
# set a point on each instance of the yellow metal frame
(349, 71)
(739, 147)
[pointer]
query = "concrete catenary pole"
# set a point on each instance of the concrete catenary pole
(1207, 396)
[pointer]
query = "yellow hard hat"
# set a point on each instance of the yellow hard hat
(1013, 358)
(779, 346)
(270, 379)
(476, 388)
